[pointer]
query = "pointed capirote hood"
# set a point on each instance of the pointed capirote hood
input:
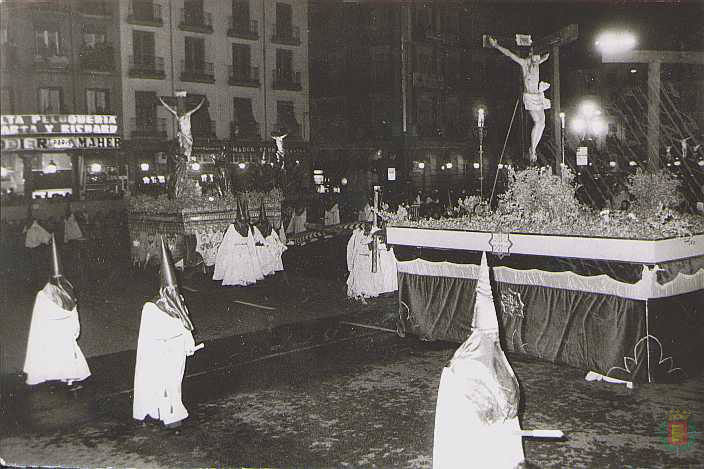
(245, 210)
(56, 270)
(484, 310)
(168, 272)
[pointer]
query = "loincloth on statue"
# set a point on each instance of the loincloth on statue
(536, 101)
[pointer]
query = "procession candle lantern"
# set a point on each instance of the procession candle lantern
(480, 118)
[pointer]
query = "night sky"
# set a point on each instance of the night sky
(658, 25)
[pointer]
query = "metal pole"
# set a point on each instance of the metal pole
(481, 162)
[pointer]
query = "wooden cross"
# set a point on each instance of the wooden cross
(654, 59)
(552, 43)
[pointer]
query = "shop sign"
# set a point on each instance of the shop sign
(59, 143)
(582, 156)
(58, 124)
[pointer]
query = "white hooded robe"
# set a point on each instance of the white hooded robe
(52, 350)
(162, 348)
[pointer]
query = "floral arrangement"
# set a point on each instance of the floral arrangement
(539, 202)
(163, 205)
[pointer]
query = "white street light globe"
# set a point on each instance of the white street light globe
(242, 165)
(448, 165)
(476, 165)
(612, 42)
(144, 166)
(96, 168)
(598, 127)
(578, 125)
(588, 109)
(421, 165)
(195, 166)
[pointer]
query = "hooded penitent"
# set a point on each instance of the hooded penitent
(240, 222)
(59, 289)
(476, 421)
(170, 300)
(264, 225)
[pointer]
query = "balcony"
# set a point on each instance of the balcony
(144, 14)
(287, 36)
(243, 28)
(196, 21)
(55, 61)
(98, 58)
(202, 72)
(286, 80)
(94, 8)
(244, 130)
(146, 67)
(247, 77)
(291, 126)
(148, 128)
(203, 128)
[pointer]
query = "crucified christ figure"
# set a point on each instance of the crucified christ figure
(185, 139)
(534, 99)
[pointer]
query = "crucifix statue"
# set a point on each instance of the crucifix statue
(180, 184)
(185, 138)
(534, 99)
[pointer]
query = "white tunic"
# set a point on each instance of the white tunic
(36, 236)
(235, 263)
(71, 229)
(361, 282)
(52, 350)
(277, 249)
(332, 216)
(462, 439)
(264, 253)
(387, 269)
(297, 223)
(162, 348)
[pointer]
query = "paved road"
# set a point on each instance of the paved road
(341, 396)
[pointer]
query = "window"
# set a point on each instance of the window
(284, 20)
(286, 119)
(50, 100)
(143, 47)
(284, 64)
(94, 35)
(47, 41)
(97, 101)
(240, 14)
(193, 11)
(7, 103)
(244, 125)
(145, 109)
(195, 53)
(241, 60)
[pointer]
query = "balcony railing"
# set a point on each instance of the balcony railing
(148, 128)
(202, 72)
(203, 129)
(146, 67)
(94, 8)
(284, 80)
(288, 36)
(243, 28)
(247, 77)
(144, 13)
(245, 130)
(54, 61)
(196, 21)
(98, 58)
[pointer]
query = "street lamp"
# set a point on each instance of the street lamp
(51, 168)
(615, 42)
(144, 167)
(480, 126)
(421, 166)
(96, 168)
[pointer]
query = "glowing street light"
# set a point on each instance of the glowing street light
(144, 167)
(421, 165)
(195, 166)
(242, 165)
(448, 165)
(615, 42)
(96, 168)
